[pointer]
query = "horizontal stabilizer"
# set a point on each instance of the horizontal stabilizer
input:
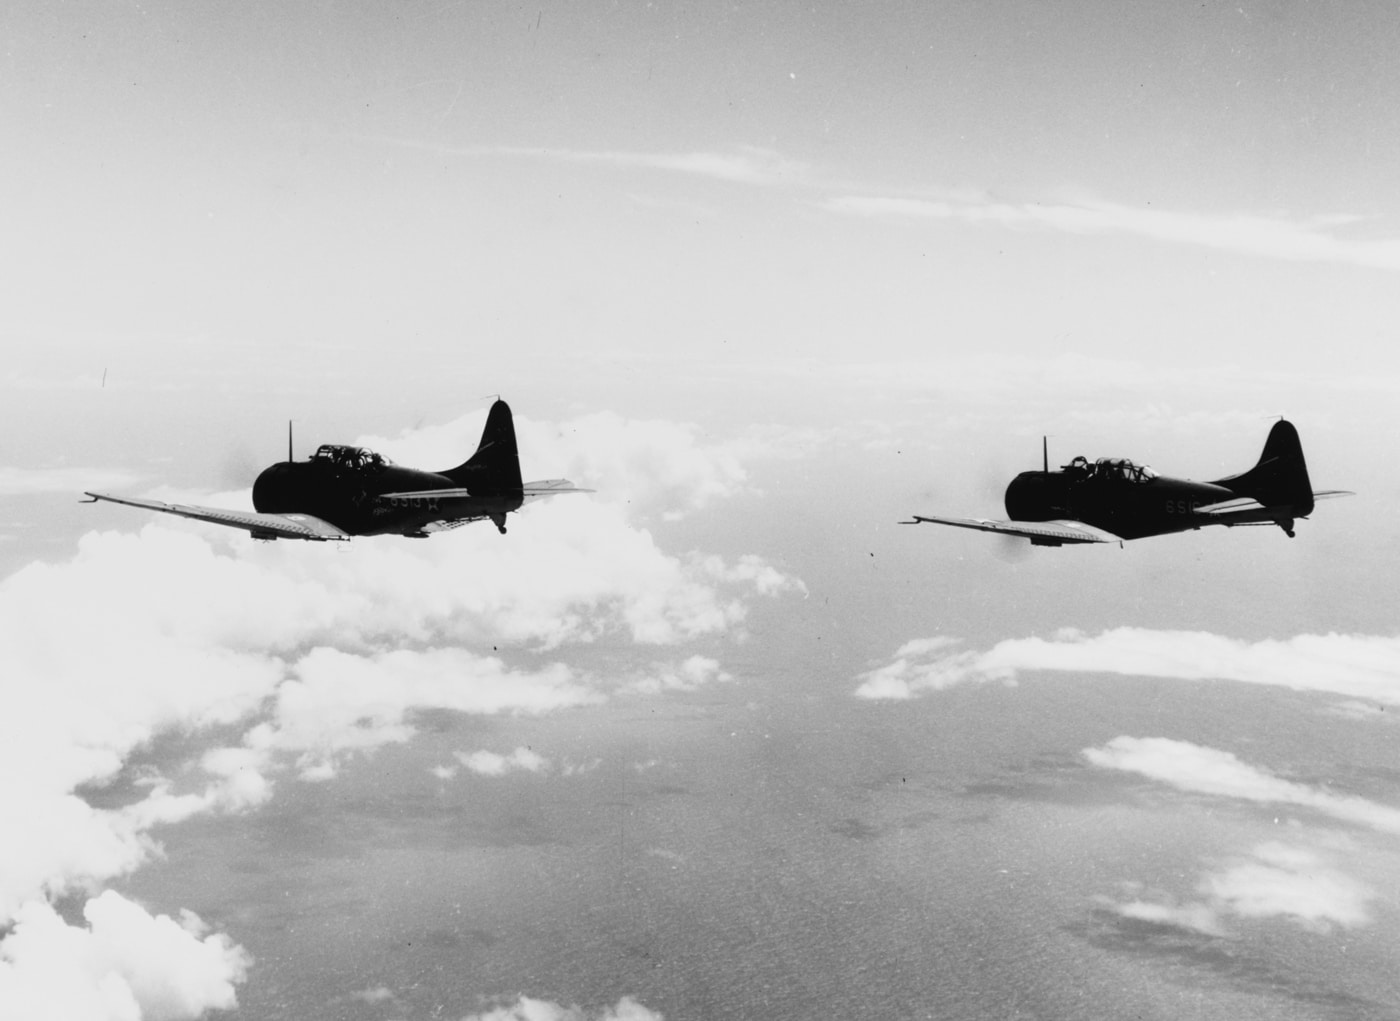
(530, 491)
(550, 487)
(1245, 509)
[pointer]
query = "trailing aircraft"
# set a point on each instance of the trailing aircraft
(344, 491)
(1113, 499)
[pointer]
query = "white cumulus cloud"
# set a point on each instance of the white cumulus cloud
(528, 1009)
(125, 965)
(690, 675)
(1274, 880)
(1195, 768)
(487, 763)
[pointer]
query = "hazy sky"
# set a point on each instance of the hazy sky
(722, 740)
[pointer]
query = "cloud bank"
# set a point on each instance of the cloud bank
(1356, 666)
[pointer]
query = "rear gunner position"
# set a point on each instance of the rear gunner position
(1113, 499)
(346, 491)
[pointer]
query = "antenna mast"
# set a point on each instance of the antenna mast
(1045, 453)
(289, 440)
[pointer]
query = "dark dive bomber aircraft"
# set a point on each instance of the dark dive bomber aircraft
(1114, 499)
(346, 491)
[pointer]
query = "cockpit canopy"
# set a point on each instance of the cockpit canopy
(349, 458)
(1111, 468)
(1122, 468)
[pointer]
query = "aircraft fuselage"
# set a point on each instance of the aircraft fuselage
(1130, 508)
(356, 500)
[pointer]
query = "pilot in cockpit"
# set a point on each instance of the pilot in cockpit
(355, 459)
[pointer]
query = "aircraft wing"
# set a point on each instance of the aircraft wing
(1040, 533)
(260, 526)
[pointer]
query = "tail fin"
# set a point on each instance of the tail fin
(495, 467)
(1280, 479)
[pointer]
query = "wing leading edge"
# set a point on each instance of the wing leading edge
(1040, 533)
(260, 526)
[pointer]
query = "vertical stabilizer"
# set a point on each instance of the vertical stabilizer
(495, 467)
(1280, 479)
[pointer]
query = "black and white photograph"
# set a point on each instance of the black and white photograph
(661, 511)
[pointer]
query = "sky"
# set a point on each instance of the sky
(722, 739)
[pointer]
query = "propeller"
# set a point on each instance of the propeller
(1012, 548)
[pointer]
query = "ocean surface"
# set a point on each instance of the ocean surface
(772, 847)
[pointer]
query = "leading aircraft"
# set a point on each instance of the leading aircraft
(1113, 499)
(344, 491)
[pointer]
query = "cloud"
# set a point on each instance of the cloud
(1276, 880)
(1292, 882)
(1356, 666)
(1191, 767)
(527, 1009)
(1274, 237)
(690, 675)
(644, 466)
(29, 481)
(1202, 918)
(925, 664)
(337, 702)
(1280, 237)
(749, 165)
(126, 965)
(297, 656)
(487, 763)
